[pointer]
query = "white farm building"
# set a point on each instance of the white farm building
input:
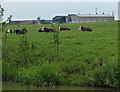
(84, 18)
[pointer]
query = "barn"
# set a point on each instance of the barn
(83, 18)
(61, 19)
(29, 22)
(23, 22)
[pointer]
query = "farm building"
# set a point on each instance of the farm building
(29, 22)
(23, 22)
(70, 18)
(46, 21)
(83, 18)
(39, 21)
(61, 19)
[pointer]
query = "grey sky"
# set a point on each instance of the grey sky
(60, 0)
(46, 10)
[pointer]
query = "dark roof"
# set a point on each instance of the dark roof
(60, 16)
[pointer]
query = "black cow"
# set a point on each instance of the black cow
(23, 31)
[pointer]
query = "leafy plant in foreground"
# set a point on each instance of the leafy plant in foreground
(56, 38)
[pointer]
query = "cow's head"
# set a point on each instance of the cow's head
(43, 28)
(59, 27)
(80, 28)
(8, 30)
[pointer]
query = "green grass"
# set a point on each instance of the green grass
(78, 63)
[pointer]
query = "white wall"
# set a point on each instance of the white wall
(86, 21)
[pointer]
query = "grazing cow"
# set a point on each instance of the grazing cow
(84, 28)
(9, 31)
(62, 28)
(23, 31)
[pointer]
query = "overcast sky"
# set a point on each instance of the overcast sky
(60, 0)
(45, 13)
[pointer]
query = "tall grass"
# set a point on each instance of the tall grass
(85, 58)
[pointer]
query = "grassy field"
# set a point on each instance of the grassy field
(85, 58)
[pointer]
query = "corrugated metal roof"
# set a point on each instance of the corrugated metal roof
(95, 15)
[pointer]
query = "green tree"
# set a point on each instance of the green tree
(4, 23)
(42, 21)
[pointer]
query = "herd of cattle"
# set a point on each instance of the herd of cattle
(44, 29)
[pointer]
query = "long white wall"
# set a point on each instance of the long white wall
(86, 21)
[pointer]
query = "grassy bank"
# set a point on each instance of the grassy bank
(85, 58)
